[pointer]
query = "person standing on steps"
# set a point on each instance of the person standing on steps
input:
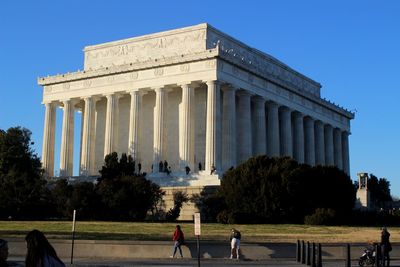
(178, 239)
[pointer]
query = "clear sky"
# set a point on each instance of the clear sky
(351, 47)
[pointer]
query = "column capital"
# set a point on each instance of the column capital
(242, 92)
(138, 91)
(213, 82)
(298, 114)
(229, 87)
(114, 94)
(258, 99)
(273, 104)
(309, 118)
(94, 98)
(286, 108)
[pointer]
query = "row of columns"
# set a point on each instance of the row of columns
(257, 127)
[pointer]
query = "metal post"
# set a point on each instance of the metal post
(313, 263)
(383, 254)
(298, 251)
(319, 259)
(377, 255)
(348, 258)
(308, 260)
(303, 252)
(73, 237)
(198, 251)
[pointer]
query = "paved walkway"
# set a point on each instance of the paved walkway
(83, 262)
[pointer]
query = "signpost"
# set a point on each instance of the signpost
(73, 236)
(197, 232)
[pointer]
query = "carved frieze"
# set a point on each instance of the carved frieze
(158, 71)
(143, 49)
(87, 83)
(133, 75)
(185, 67)
(66, 86)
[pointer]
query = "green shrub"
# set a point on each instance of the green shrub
(321, 216)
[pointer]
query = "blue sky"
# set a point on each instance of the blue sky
(351, 47)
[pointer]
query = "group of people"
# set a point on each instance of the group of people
(40, 252)
(179, 239)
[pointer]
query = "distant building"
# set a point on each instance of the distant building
(363, 196)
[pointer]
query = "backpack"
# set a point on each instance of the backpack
(237, 235)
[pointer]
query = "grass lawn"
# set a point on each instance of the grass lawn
(163, 231)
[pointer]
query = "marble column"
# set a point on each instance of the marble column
(135, 124)
(88, 137)
(160, 131)
(111, 132)
(260, 131)
(273, 130)
(244, 126)
(286, 132)
(187, 128)
(213, 114)
(319, 143)
(49, 139)
(329, 153)
(67, 140)
(345, 151)
(228, 128)
(337, 147)
(298, 125)
(309, 141)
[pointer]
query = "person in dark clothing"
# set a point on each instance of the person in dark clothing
(187, 169)
(3, 253)
(178, 239)
(39, 251)
(385, 245)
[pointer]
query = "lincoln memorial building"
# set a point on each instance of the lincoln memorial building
(194, 97)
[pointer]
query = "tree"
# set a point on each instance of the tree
(124, 195)
(379, 190)
(22, 190)
(267, 190)
(179, 198)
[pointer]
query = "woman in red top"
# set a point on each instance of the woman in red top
(178, 239)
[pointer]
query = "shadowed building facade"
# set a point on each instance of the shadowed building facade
(188, 96)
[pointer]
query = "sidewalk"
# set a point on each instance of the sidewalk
(85, 262)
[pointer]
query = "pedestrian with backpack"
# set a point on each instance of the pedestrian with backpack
(235, 243)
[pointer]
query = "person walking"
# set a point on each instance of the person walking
(235, 243)
(178, 239)
(39, 251)
(385, 246)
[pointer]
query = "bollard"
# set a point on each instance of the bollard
(308, 260)
(319, 259)
(303, 252)
(313, 263)
(348, 258)
(298, 251)
(377, 255)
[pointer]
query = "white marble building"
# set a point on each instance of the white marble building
(191, 95)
